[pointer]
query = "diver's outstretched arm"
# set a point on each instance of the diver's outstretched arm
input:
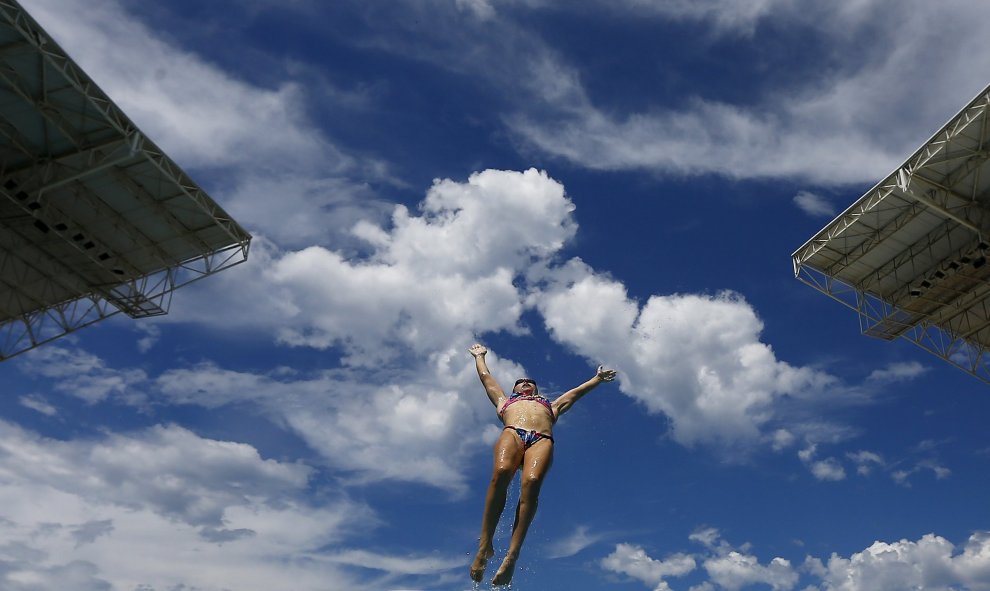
(567, 399)
(494, 391)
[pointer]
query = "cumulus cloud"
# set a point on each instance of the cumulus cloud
(827, 469)
(929, 563)
(633, 561)
(728, 567)
(427, 280)
(736, 570)
(432, 278)
(697, 359)
(932, 562)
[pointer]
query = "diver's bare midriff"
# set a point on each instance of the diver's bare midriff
(529, 415)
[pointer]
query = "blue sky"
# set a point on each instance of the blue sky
(570, 183)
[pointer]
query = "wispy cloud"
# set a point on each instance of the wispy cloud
(581, 538)
(84, 375)
(813, 204)
(896, 372)
(151, 496)
(38, 403)
(866, 461)
(903, 476)
(426, 565)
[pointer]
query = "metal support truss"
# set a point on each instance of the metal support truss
(142, 297)
(95, 219)
(910, 257)
(880, 319)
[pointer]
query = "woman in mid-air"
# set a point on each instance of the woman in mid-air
(526, 442)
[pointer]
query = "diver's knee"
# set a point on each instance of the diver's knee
(531, 483)
(503, 473)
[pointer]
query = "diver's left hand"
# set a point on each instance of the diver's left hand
(606, 375)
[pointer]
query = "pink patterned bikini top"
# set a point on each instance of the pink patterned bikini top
(516, 397)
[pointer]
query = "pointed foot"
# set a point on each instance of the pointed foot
(480, 562)
(504, 574)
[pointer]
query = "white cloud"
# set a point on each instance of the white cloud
(410, 565)
(696, 358)
(194, 110)
(728, 567)
(429, 280)
(782, 439)
(180, 508)
(279, 173)
(83, 374)
(841, 126)
(813, 204)
(736, 570)
(418, 425)
(708, 138)
(153, 470)
(930, 563)
(480, 8)
(903, 476)
(728, 16)
(865, 461)
(633, 561)
(38, 403)
(570, 545)
(18, 576)
(710, 538)
(897, 372)
(733, 568)
(808, 453)
(151, 334)
(828, 469)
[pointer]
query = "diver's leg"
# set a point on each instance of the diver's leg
(535, 465)
(508, 455)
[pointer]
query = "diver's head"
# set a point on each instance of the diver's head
(526, 386)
